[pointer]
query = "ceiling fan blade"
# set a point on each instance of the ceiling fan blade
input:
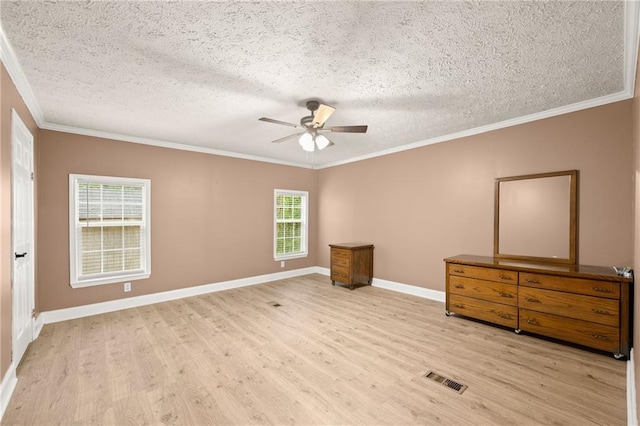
(286, 138)
(322, 114)
(284, 123)
(347, 129)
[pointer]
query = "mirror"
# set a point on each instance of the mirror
(536, 217)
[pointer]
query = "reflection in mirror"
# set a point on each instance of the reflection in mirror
(536, 217)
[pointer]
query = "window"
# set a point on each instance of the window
(109, 229)
(290, 224)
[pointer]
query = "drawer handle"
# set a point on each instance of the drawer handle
(599, 337)
(458, 305)
(600, 311)
(503, 315)
(506, 277)
(532, 299)
(507, 295)
(532, 281)
(459, 271)
(459, 285)
(533, 321)
(602, 290)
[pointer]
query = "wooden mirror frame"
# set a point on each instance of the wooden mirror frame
(573, 219)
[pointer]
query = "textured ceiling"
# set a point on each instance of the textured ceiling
(202, 73)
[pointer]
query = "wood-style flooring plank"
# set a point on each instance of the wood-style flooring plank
(326, 355)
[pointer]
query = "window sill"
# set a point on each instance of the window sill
(110, 280)
(290, 256)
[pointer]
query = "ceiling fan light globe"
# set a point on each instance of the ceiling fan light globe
(322, 141)
(306, 141)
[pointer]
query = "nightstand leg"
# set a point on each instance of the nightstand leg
(333, 282)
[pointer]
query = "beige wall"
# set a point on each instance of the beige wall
(9, 99)
(422, 205)
(211, 216)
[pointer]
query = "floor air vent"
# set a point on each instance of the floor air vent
(275, 304)
(451, 384)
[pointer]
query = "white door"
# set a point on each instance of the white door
(22, 227)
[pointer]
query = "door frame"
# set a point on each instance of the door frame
(17, 123)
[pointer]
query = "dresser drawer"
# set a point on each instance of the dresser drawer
(585, 333)
(490, 274)
(481, 309)
(340, 253)
(485, 290)
(607, 289)
(588, 308)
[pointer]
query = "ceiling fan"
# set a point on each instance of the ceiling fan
(312, 126)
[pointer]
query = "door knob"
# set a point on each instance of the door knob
(19, 255)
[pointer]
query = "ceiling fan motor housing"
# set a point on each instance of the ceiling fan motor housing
(307, 121)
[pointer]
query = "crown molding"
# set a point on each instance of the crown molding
(616, 97)
(10, 61)
(165, 144)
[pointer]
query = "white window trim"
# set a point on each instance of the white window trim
(116, 277)
(305, 225)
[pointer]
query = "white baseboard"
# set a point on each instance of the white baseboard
(49, 317)
(632, 406)
(323, 271)
(6, 388)
(37, 326)
(413, 290)
(425, 293)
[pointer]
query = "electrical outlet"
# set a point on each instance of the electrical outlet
(127, 287)
(282, 263)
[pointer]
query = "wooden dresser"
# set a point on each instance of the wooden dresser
(351, 263)
(586, 305)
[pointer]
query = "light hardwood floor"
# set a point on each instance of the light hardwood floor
(326, 356)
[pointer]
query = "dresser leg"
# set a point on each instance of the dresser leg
(517, 331)
(333, 282)
(351, 287)
(618, 356)
(447, 313)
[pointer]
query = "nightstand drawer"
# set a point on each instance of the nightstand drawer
(340, 274)
(340, 261)
(340, 253)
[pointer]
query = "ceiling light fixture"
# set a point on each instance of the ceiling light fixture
(322, 141)
(306, 141)
(310, 139)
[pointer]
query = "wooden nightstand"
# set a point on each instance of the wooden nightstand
(351, 263)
